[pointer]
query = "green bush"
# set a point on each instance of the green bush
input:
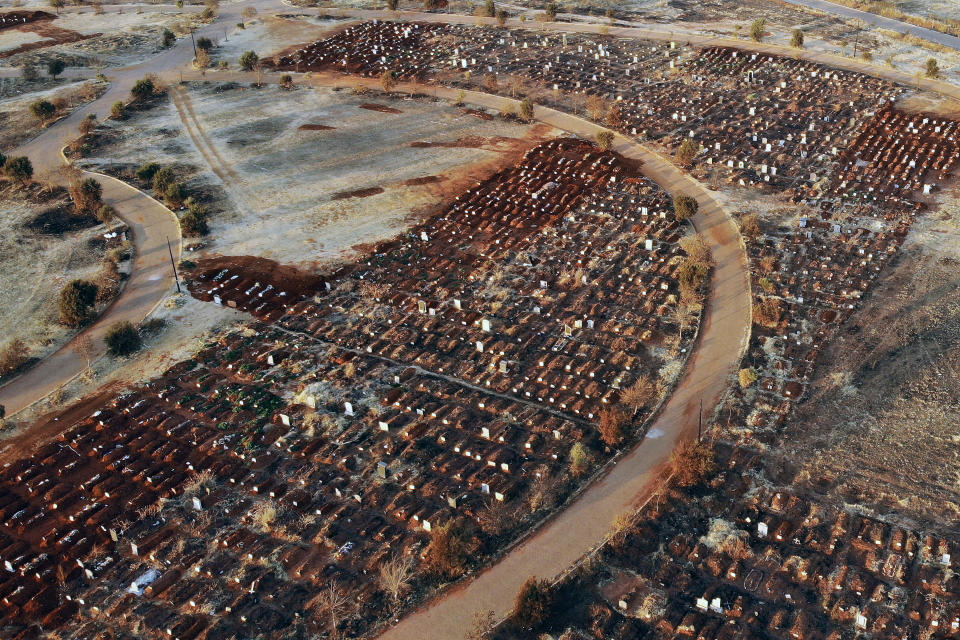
(685, 207)
(147, 171)
(168, 38)
(204, 44)
(142, 89)
(43, 110)
(122, 339)
(194, 222)
(162, 179)
(76, 302)
(249, 60)
(19, 168)
(175, 194)
(116, 111)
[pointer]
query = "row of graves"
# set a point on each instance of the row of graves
(445, 376)
(14, 19)
(812, 273)
(746, 558)
(764, 120)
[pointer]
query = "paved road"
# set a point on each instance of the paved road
(723, 339)
(939, 37)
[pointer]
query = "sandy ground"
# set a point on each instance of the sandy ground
(128, 36)
(285, 186)
(271, 35)
(33, 268)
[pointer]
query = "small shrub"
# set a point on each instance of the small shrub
(175, 194)
(86, 195)
(142, 89)
(526, 110)
(551, 11)
(757, 29)
(249, 60)
(116, 111)
(393, 4)
(933, 68)
(19, 168)
(387, 81)
(43, 110)
(685, 207)
(796, 39)
(147, 171)
(692, 463)
(14, 355)
(579, 459)
(194, 222)
(286, 81)
(162, 179)
(532, 604)
(167, 39)
(76, 302)
(605, 139)
(747, 377)
(122, 339)
(687, 151)
(204, 44)
(106, 214)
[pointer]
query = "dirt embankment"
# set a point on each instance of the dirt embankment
(44, 27)
(281, 276)
(315, 127)
(382, 108)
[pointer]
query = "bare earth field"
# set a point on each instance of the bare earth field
(880, 425)
(270, 35)
(299, 195)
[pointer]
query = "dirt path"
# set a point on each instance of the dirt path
(150, 279)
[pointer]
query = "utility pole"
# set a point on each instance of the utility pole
(194, 44)
(173, 265)
(700, 423)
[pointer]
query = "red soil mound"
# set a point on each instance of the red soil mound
(358, 193)
(382, 108)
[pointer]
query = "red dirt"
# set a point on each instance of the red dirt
(283, 277)
(483, 115)
(358, 193)
(24, 442)
(414, 182)
(382, 108)
(16, 19)
(56, 36)
(315, 127)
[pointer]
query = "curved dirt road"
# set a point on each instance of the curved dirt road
(150, 222)
(723, 339)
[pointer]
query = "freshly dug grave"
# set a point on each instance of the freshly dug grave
(283, 277)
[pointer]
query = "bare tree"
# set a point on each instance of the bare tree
(483, 622)
(395, 575)
(334, 604)
(84, 348)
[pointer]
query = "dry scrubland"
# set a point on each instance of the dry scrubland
(278, 199)
(120, 36)
(34, 266)
(18, 124)
(886, 399)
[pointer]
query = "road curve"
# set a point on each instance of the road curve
(583, 525)
(151, 226)
(875, 20)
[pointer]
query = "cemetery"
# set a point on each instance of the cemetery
(454, 327)
(744, 556)
(363, 417)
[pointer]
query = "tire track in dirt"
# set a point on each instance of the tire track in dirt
(230, 178)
